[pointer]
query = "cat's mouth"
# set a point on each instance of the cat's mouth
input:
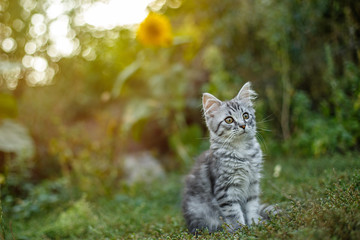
(241, 132)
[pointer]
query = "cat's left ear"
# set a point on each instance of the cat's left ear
(246, 93)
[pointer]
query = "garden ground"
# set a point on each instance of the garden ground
(320, 198)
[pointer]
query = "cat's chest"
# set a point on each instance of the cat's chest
(236, 178)
(234, 169)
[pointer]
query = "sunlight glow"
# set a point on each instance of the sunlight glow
(54, 28)
(30, 47)
(55, 9)
(62, 37)
(115, 13)
(8, 45)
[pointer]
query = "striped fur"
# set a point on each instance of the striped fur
(224, 185)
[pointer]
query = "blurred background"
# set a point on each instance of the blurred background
(96, 95)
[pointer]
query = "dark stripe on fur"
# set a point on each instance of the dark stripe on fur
(233, 156)
(254, 182)
(221, 197)
(222, 188)
(212, 180)
(251, 198)
(231, 107)
(244, 212)
(228, 203)
(231, 216)
(234, 105)
(220, 134)
(217, 129)
(256, 153)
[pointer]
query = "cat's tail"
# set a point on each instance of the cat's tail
(266, 210)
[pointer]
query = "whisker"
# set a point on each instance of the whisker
(262, 122)
(228, 140)
(266, 119)
(225, 143)
(261, 139)
(263, 129)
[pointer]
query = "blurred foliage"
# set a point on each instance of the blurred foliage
(8, 106)
(89, 95)
(89, 164)
(77, 220)
(40, 198)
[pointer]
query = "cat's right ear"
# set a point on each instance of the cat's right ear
(210, 103)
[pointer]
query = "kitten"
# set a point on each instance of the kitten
(223, 187)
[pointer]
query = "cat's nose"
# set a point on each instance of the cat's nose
(242, 126)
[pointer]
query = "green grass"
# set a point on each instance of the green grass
(320, 198)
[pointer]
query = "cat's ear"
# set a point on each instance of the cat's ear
(246, 93)
(210, 103)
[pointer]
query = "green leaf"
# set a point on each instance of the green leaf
(125, 75)
(136, 111)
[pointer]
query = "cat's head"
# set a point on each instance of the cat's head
(234, 119)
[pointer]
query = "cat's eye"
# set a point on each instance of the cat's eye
(229, 120)
(246, 115)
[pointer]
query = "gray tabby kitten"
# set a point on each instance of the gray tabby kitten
(223, 187)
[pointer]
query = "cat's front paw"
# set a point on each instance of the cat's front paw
(254, 220)
(231, 228)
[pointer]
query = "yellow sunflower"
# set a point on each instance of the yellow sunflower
(155, 30)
